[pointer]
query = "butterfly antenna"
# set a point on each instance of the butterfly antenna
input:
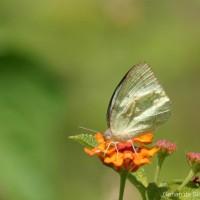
(88, 129)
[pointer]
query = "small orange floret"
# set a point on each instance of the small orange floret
(116, 160)
(99, 137)
(91, 152)
(144, 139)
(122, 155)
(149, 152)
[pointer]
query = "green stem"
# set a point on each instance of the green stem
(188, 178)
(158, 168)
(123, 176)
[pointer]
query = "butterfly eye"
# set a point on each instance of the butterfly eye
(108, 134)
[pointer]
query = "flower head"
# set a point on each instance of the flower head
(128, 156)
(194, 161)
(166, 147)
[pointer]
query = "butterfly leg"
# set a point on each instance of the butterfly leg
(133, 147)
(115, 144)
(108, 148)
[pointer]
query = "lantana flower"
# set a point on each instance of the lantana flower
(124, 156)
(166, 147)
(194, 161)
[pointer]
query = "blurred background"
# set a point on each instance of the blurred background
(60, 62)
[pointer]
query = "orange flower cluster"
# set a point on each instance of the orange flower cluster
(123, 155)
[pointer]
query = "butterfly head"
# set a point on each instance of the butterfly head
(117, 137)
(108, 134)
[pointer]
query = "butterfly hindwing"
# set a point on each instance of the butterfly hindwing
(139, 103)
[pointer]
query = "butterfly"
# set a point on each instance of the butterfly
(138, 105)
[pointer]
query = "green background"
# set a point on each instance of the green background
(59, 64)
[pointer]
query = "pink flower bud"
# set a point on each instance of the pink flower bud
(166, 146)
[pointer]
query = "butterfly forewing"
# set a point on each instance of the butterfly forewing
(139, 103)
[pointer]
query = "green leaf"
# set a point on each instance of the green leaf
(138, 179)
(190, 192)
(86, 140)
(141, 176)
(156, 193)
(175, 182)
(31, 103)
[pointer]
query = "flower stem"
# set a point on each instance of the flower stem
(158, 168)
(188, 178)
(123, 176)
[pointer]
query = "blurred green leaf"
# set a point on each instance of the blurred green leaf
(30, 105)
